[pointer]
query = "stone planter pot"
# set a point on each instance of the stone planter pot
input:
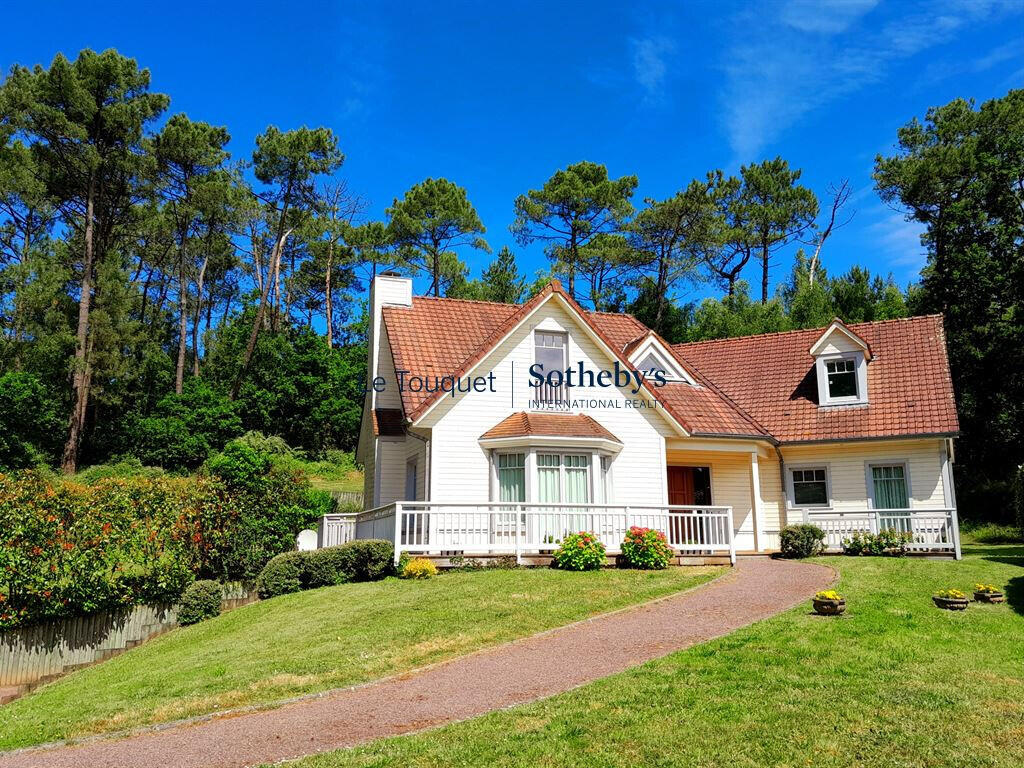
(951, 603)
(989, 597)
(829, 607)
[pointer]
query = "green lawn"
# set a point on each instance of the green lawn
(321, 639)
(896, 683)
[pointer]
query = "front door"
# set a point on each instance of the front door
(689, 485)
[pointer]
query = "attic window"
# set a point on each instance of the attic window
(651, 364)
(842, 378)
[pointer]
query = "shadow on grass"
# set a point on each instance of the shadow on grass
(1003, 553)
(1015, 594)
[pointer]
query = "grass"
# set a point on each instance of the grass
(990, 533)
(895, 683)
(321, 639)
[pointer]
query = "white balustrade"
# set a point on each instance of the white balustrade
(931, 530)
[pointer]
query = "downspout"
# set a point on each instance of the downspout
(784, 500)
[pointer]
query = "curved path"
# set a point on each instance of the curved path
(503, 676)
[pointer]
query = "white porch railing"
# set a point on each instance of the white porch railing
(498, 528)
(931, 530)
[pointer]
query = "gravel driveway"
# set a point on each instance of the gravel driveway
(510, 674)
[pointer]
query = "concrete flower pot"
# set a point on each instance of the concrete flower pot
(951, 603)
(829, 607)
(989, 597)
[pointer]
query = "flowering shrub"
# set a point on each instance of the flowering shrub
(579, 552)
(827, 594)
(951, 594)
(68, 549)
(419, 568)
(886, 542)
(646, 548)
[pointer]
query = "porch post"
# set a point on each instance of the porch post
(949, 496)
(757, 505)
(398, 532)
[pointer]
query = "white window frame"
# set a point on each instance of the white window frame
(869, 481)
(600, 472)
(791, 491)
(562, 393)
(860, 371)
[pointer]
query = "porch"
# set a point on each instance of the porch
(526, 530)
(436, 529)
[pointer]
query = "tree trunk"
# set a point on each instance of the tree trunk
(660, 290)
(179, 371)
(328, 306)
(764, 274)
(198, 314)
(250, 348)
(80, 387)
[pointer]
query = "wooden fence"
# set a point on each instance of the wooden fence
(348, 497)
(37, 654)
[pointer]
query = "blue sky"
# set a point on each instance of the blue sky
(498, 96)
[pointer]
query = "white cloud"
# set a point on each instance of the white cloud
(898, 241)
(824, 16)
(649, 62)
(780, 69)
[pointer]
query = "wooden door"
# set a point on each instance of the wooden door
(680, 486)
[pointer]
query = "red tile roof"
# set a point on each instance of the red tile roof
(771, 377)
(759, 386)
(524, 424)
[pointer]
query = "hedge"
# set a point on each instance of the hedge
(360, 560)
(69, 549)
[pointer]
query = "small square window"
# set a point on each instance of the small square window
(842, 378)
(810, 487)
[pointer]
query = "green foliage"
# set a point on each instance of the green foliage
(737, 315)
(801, 540)
(432, 219)
(271, 506)
(958, 173)
(991, 533)
(297, 388)
(282, 575)
(185, 429)
(201, 600)
(71, 549)
(359, 560)
(581, 551)
(646, 548)
(501, 282)
(888, 541)
(126, 467)
(1018, 497)
(30, 425)
(574, 205)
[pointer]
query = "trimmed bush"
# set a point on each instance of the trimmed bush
(579, 552)
(645, 548)
(282, 575)
(369, 559)
(201, 601)
(801, 540)
(326, 567)
(360, 560)
(419, 568)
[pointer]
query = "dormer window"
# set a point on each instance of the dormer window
(842, 378)
(841, 366)
(648, 355)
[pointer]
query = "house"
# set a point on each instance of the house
(491, 428)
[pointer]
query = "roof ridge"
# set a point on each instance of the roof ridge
(465, 301)
(808, 330)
